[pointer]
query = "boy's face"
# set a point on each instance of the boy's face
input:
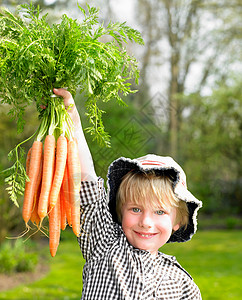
(148, 228)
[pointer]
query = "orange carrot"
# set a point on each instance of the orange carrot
(39, 177)
(74, 170)
(61, 155)
(28, 161)
(47, 175)
(35, 219)
(66, 195)
(34, 216)
(63, 210)
(54, 228)
(30, 186)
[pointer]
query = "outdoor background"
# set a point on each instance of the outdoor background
(188, 106)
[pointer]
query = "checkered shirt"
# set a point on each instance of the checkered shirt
(114, 269)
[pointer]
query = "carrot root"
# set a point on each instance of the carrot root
(48, 168)
(31, 185)
(74, 170)
(61, 155)
(54, 228)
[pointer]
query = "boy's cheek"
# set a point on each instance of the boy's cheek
(128, 220)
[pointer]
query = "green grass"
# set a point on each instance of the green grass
(64, 280)
(212, 258)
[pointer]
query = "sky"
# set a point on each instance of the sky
(49, 2)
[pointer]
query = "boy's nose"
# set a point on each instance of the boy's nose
(146, 220)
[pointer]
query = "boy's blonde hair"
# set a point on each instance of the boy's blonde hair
(138, 187)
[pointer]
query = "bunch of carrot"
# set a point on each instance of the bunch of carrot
(53, 169)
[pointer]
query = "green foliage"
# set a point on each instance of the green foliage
(15, 258)
(36, 57)
(231, 222)
(15, 176)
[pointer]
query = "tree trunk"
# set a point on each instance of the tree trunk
(174, 109)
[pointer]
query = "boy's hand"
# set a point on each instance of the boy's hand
(67, 97)
(68, 100)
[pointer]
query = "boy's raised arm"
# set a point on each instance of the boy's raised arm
(87, 166)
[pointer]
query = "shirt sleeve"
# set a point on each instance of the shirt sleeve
(97, 230)
(191, 291)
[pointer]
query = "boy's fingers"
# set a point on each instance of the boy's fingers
(67, 99)
(63, 93)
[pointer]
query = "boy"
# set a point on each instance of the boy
(147, 206)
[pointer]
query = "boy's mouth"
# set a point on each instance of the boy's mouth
(145, 235)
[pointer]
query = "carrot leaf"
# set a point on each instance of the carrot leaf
(35, 57)
(15, 176)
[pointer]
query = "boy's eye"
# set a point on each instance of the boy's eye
(135, 209)
(160, 212)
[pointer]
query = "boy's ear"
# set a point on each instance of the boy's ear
(176, 227)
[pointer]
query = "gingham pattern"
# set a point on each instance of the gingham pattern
(114, 269)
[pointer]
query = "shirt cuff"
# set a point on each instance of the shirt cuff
(92, 191)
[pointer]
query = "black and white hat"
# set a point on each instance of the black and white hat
(161, 165)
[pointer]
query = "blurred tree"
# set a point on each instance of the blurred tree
(211, 146)
(188, 35)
